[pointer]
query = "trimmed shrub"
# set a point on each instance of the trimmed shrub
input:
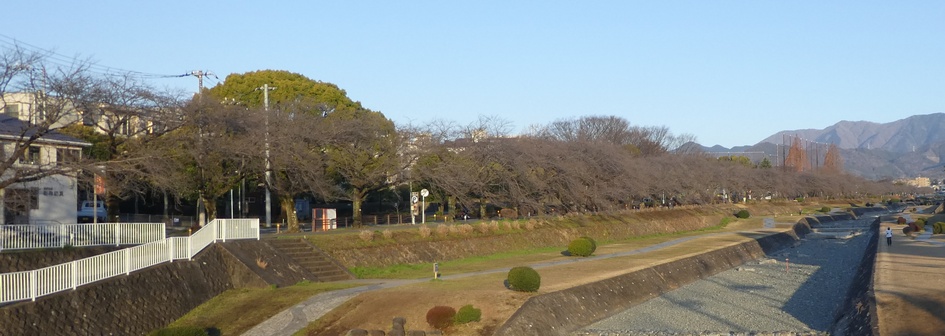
(594, 242)
(531, 224)
(581, 247)
(907, 230)
(441, 317)
(442, 230)
(920, 223)
(524, 279)
(466, 229)
(742, 214)
(366, 235)
(179, 331)
(901, 220)
(938, 228)
(425, 231)
(915, 227)
(825, 209)
(467, 314)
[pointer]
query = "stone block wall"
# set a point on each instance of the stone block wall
(135, 304)
(28, 260)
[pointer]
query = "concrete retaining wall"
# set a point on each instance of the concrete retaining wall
(131, 305)
(561, 312)
(28, 260)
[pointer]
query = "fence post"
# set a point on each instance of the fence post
(33, 285)
(170, 244)
(75, 276)
(223, 230)
(190, 247)
(117, 235)
(62, 235)
(127, 261)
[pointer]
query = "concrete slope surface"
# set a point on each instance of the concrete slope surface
(797, 290)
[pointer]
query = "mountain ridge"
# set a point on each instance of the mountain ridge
(909, 147)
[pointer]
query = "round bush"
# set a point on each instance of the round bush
(524, 279)
(441, 317)
(907, 230)
(742, 214)
(825, 209)
(901, 220)
(179, 331)
(467, 314)
(938, 228)
(593, 242)
(582, 247)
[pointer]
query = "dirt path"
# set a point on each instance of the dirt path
(909, 283)
(375, 309)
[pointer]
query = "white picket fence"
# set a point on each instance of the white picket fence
(29, 285)
(22, 237)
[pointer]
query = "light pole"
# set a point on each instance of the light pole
(266, 89)
(423, 213)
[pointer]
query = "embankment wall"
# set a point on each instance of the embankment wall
(561, 312)
(130, 305)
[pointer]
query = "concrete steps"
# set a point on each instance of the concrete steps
(311, 259)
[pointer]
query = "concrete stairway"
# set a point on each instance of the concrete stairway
(312, 259)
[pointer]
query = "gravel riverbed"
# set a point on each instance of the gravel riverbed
(794, 291)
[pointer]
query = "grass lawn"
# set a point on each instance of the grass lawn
(238, 310)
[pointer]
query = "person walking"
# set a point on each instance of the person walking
(888, 236)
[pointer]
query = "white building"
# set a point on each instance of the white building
(48, 194)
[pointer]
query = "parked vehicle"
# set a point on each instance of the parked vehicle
(89, 210)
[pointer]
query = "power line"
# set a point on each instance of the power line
(66, 61)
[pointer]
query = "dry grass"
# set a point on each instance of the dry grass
(238, 310)
(425, 231)
(366, 235)
(372, 310)
(442, 230)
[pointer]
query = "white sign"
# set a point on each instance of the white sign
(424, 193)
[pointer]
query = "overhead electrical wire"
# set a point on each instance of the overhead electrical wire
(66, 61)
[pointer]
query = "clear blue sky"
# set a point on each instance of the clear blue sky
(728, 72)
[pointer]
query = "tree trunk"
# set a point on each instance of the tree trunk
(112, 207)
(166, 207)
(210, 208)
(452, 212)
(482, 208)
(288, 207)
(356, 199)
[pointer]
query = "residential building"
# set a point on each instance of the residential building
(45, 187)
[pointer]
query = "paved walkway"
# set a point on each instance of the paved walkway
(909, 284)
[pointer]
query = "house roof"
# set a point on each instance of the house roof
(15, 129)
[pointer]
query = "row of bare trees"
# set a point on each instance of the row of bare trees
(604, 163)
(313, 140)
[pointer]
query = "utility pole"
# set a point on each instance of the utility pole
(200, 74)
(265, 88)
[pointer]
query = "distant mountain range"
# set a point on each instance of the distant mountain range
(910, 147)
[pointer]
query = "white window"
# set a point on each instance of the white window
(67, 155)
(12, 110)
(30, 156)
